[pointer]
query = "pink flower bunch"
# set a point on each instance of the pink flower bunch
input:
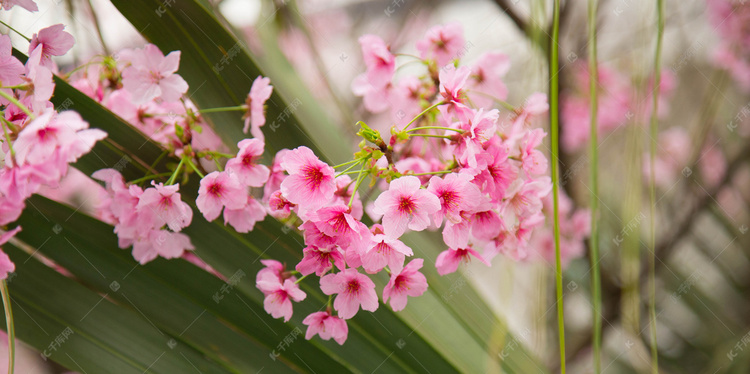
(730, 19)
(575, 227)
(618, 104)
(461, 169)
(39, 142)
(148, 219)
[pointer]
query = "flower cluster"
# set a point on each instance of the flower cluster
(452, 164)
(38, 142)
(618, 104)
(730, 19)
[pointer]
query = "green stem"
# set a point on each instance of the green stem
(300, 280)
(654, 133)
(176, 171)
(238, 108)
(15, 31)
(435, 128)
(18, 86)
(17, 103)
(505, 104)
(554, 130)
(432, 136)
(348, 163)
(147, 177)
(195, 168)
(596, 292)
(429, 108)
(7, 138)
(9, 325)
(360, 178)
(346, 170)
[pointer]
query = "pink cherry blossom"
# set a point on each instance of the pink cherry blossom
(381, 64)
(39, 79)
(310, 182)
(354, 290)
(246, 166)
(525, 198)
(152, 75)
(336, 221)
(405, 205)
(11, 68)
(486, 79)
(314, 237)
(343, 194)
(244, 219)
(532, 160)
(534, 106)
(375, 98)
(29, 5)
(278, 206)
(165, 203)
(448, 260)
(272, 270)
(479, 126)
(452, 82)
(384, 251)
(442, 43)
(54, 42)
(326, 326)
(319, 260)
(456, 194)
(407, 282)
(219, 190)
(64, 136)
(6, 265)
(162, 243)
(279, 297)
(255, 117)
(500, 172)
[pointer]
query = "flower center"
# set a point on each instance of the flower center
(352, 287)
(215, 189)
(406, 205)
(313, 176)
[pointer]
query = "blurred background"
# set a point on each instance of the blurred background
(703, 176)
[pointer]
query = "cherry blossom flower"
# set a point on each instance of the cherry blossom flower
(406, 282)
(326, 326)
(354, 290)
(272, 270)
(218, 190)
(319, 260)
(456, 194)
(405, 205)
(152, 75)
(336, 221)
(6, 265)
(11, 68)
(486, 79)
(165, 203)
(39, 79)
(279, 296)
(448, 260)
(383, 251)
(452, 82)
(162, 243)
(54, 42)
(532, 160)
(278, 206)
(51, 136)
(246, 166)
(479, 126)
(310, 182)
(375, 98)
(381, 64)
(244, 219)
(442, 43)
(29, 5)
(255, 117)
